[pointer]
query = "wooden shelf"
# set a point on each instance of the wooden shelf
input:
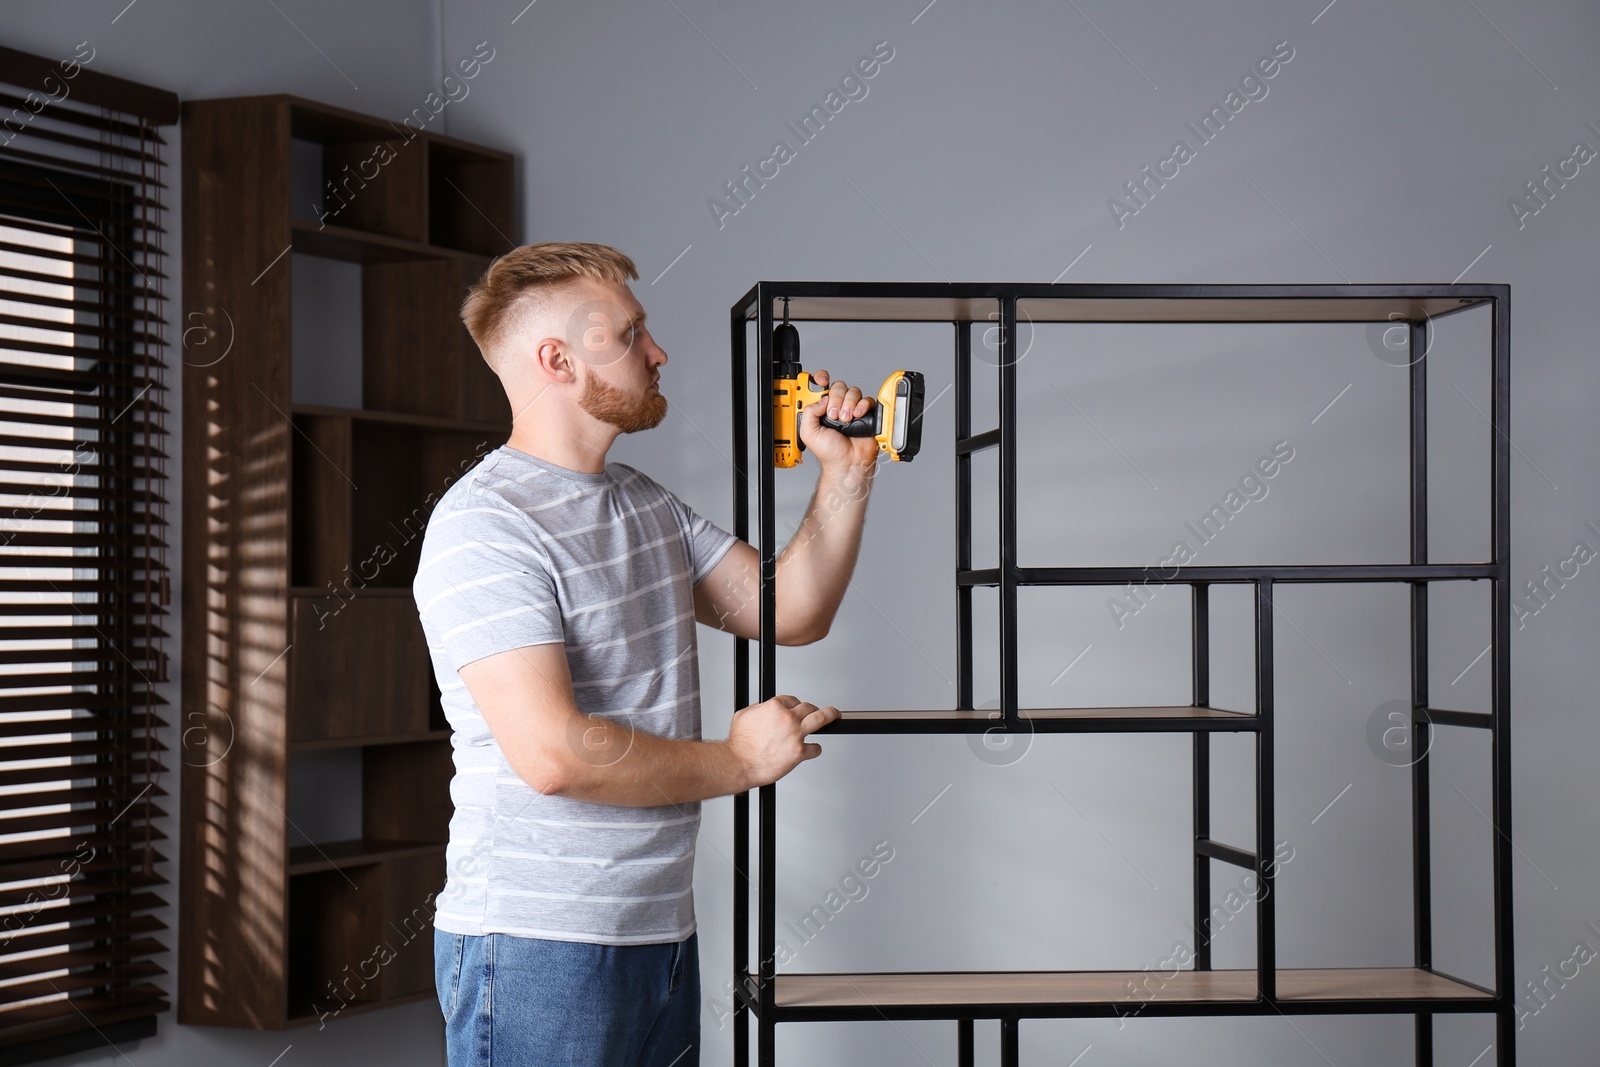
(964, 990)
(361, 246)
(1117, 303)
(313, 591)
(1142, 718)
(400, 418)
(304, 1015)
(338, 855)
(373, 739)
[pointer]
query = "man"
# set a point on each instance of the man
(559, 595)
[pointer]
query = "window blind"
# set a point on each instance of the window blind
(84, 591)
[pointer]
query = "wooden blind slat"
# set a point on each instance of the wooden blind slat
(92, 262)
(118, 974)
(67, 820)
(132, 769)
(89, 885)
(123, 865)
(116, 1005)
(52, 396)
(47, 633)
(97, 794)
(80, 381)
(93, 724)
(129, 949)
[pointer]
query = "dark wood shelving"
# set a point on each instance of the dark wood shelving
(403, 591)
(365, 740)
(364, 246)
(335, 677)
(401, 418)
(341, 855)
(306, 1014)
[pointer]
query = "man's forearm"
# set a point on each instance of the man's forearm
(610, 763)
(815, 567)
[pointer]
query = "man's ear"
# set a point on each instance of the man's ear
(555, 361)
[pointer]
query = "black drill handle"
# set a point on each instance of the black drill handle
(864, 426)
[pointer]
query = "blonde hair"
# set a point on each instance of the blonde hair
(516, 281)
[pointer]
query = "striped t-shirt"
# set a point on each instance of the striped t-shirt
(519, 552)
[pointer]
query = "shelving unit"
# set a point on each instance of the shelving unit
(306, 675)
(1421, 990)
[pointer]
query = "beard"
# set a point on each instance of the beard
(611, 405)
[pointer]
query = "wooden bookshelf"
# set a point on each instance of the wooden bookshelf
(967, 989)
(305, 674)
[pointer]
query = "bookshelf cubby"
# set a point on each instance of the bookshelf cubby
(314, 451)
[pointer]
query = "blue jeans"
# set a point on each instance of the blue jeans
(529, 1002)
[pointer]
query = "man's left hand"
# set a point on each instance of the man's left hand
(843, 403)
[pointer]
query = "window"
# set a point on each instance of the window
(84, 591)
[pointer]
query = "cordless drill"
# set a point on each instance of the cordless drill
(895, 420)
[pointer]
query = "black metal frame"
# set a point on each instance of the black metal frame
(755, 991)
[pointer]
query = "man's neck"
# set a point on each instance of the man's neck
(572, 451)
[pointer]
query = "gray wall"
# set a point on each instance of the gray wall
(1388, 149)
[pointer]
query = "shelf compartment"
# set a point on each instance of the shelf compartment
(400, 473)
(972, 994)
(389, 202)
(401, 787)
(1136, 719)
(470, 204)
(331, 932)
(320, 505)
(313, 120)
(417, 356)
(410, 886)
(390, 694)
(361, 929)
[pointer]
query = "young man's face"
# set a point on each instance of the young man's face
(619, 360)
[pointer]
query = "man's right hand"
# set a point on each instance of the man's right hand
(769, 738)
